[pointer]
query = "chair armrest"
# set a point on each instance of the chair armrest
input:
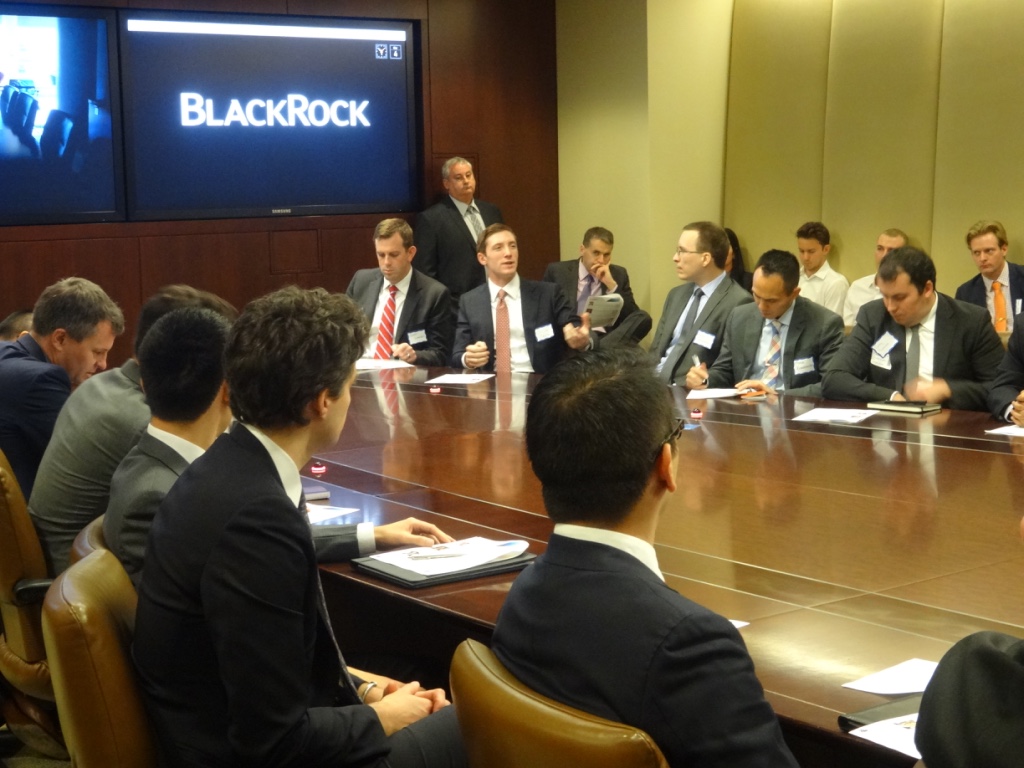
(31, 591)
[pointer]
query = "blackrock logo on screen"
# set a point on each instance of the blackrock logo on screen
(293, 110)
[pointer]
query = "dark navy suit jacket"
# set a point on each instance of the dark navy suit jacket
(973, 291)
(446, 251)
(592, 627)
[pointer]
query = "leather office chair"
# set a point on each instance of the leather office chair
(88, 540)
(54, 139)
(507, 725)
(88, 623)
(27, 695)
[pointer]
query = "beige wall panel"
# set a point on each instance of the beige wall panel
(979, 166)
(602, 130)
(883, 82)
(776, 125)
(687, 80)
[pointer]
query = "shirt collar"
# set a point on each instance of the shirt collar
(928, 323)
(402, 285)
(511, 290)
(623, 542)
(821, 274)
(286, 469)
(463, 207)
(188, 451)
(786, 318)
(710, 287)
(1003, 279)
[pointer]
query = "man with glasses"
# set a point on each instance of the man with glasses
(692, 324)
(592, 623)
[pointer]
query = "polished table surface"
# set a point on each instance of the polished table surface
(847, 548)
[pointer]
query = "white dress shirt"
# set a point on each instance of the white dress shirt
(378, 311)
(826, 287)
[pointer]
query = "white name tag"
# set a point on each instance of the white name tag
(544, 332)
(1016, 304)
(704, 339)
(418, 337)
(881, 361)
(803, 365)
(884, 345)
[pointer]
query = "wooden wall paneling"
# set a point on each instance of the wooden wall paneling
(493, 93)
(235, 266)
(879, 158)
(979, 157)
(26, 268)
(294, 250)
(776, 120)
(378, 9)
(346, 250)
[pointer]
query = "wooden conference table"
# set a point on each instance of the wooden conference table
(847, 548)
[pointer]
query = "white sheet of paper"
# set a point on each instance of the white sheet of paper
(317, 513)
(909, 676)
(895, 733)
(1010, 429)
(738, 624)
(836, 415)
(461, 378)
(454, 556)
(369, 364)
(604, 310)
(711, 394)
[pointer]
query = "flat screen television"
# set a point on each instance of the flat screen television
(231, 115)
(60, 141)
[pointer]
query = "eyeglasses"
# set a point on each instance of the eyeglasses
(677, 430)
(681, 251)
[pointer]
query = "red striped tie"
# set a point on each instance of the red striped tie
(386, 332)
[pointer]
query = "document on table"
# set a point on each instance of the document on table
(909, 676)
(367, 364)
(325, 514)
(461, 378)
(712, 394)
(895, 733)
(1011, 429)
(453, 556)
(836, 415)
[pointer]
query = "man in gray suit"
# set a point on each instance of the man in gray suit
(692, 324)
(915, 343)
(593, 274)
(97, 426)
(780, 343)
(411, 308)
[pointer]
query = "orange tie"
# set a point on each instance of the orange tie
(998, 306)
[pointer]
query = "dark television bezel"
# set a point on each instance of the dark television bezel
(119, 211)
(413, 107)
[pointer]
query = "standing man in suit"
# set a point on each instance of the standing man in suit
(74, 325)
(231, 574)
(818, 281)
(593, 274)
(692, 323)
(410, 314)
(592, 623)
(780, 343)
(864, 289)
(447, 232)
(999, 284)
(539, 325)
(915, 343)
(96, 428)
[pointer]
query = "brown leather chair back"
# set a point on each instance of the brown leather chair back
(88, 623)
(507, 725)
(88, 540)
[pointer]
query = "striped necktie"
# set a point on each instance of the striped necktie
(386, 332)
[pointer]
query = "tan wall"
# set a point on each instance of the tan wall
(865, 114)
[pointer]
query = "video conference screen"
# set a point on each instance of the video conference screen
(60, 146)
(232, 115)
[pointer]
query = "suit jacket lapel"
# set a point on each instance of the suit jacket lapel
(531, 311)
(797, 322)
(751, 339)
(456, 220)
(943, 332)
(408, 308)
(672, 315)
(368, 301)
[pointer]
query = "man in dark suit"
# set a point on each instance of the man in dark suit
(418, 318)
(780, 343)
(592, 623)
(74, 325)
(231, 575)
(692, 325)
(915, 343)
(1006, 397)
(999, 284)
(447, 232)
(541, 326)
(593, 274)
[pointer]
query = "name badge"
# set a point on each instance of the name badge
(803, 365)
(883, 346)
(1016, 304)
(881, 361)
(418, 337)
(704, 339)
(544, 332)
